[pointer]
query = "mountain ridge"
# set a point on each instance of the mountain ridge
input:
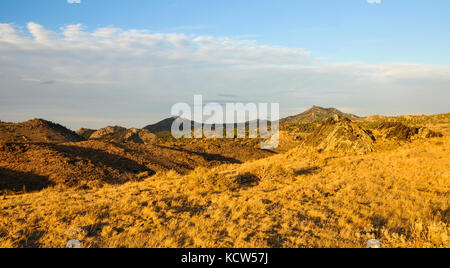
(317, 113)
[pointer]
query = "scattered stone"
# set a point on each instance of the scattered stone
(73, 243)
(76, 232)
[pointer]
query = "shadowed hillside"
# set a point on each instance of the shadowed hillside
(68, 165)
(95, 163)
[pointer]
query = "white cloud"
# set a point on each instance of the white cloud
(40, 34)
(74, 1)
(374, 1)
(136, 75)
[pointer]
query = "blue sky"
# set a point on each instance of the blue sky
(339, 30)
(315, 52)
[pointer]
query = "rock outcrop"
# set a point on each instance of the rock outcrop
(342, 135)
(85, 132)
(120, 134)
(107, 131)
(399, 131)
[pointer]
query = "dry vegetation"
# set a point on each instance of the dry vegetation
(298, 199)
(398, 194)
(91, 164)
(36, 130)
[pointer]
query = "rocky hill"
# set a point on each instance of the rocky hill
(123, 135)
(342, 135)
(165, 125)
(37, 130)
(317, 113)
(347, 136)
(399, 131)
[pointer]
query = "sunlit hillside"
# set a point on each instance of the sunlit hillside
(225, 125)
(398, 194)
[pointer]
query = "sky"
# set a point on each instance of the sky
(92, 63)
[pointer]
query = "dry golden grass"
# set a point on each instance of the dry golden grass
(298, 199)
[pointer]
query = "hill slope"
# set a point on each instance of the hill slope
(92, 164)
(164, 125)
(119, 134)
(294, 200)
(343, 135)
(317, 113)
(37, 130)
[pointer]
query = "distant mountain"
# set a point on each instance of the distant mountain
(120, 134)
(317, 113)
(107, 131)
(37, 130)
(166, 125)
